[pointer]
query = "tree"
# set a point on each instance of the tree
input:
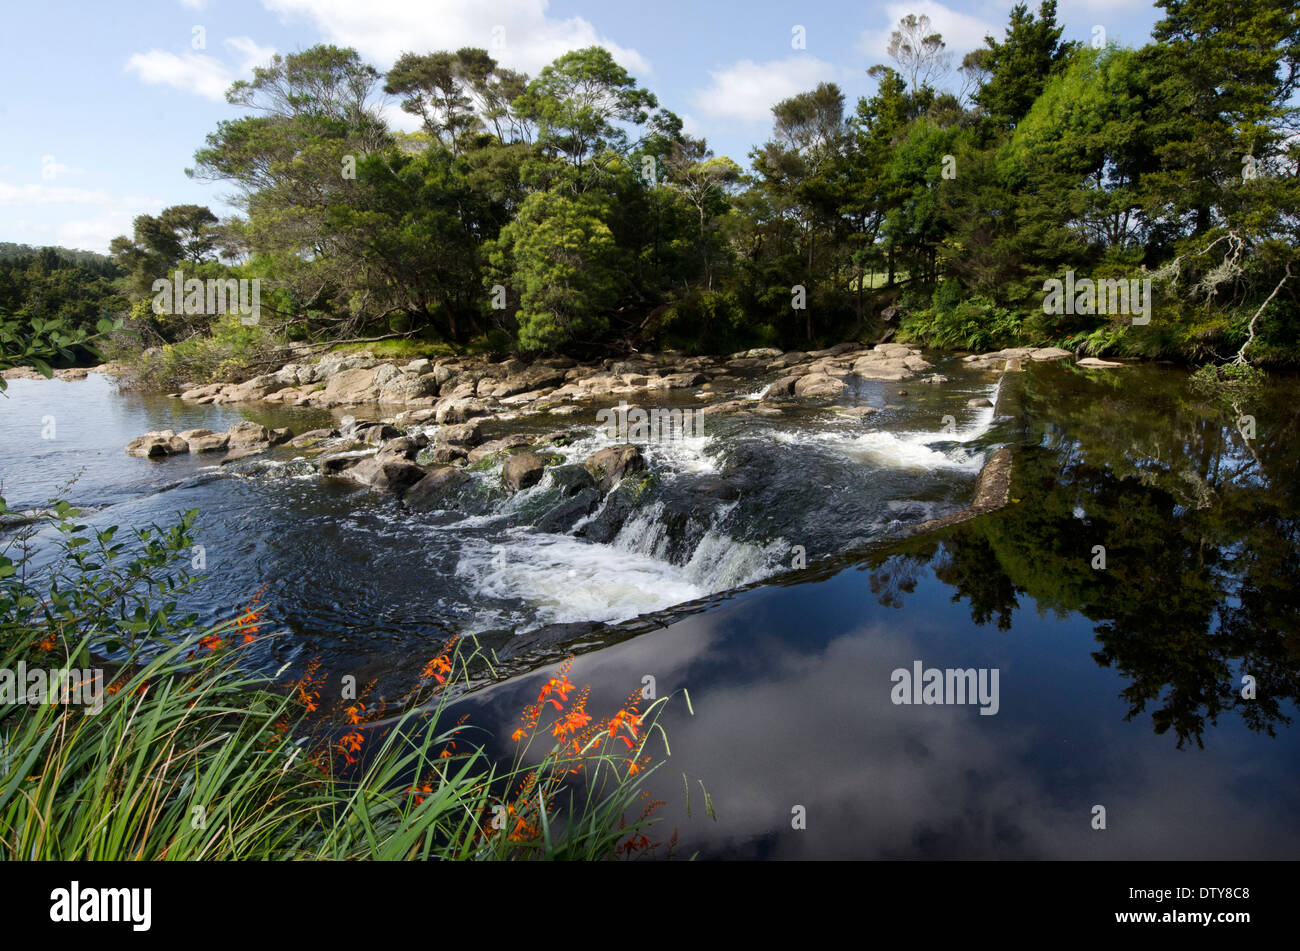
(576, 102)
(1020, 65)
(919, 52)
(704, 179)
(560, 256)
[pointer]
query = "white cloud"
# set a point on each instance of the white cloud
(91, 217)
(961, 31)
(194, 4)
(199, 72)
(518, 33)
(747, 90)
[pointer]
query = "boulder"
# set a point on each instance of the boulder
(403, 447)
(386, 473)
(493, 446)
(780, 388)
(818, 384)
(204, 440)
(461, 434)
(1094, 363)
(1050, 353)
(337, 462)
(155, 445)
(609, 465)
(350, 386)
(202, 392)
(312, 437)
(432, 491)
(522, 469)
(242, 452)
(248, 434)
(459, 410)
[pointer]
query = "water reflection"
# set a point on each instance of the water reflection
(1100, 667)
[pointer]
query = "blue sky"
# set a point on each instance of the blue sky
(106, 103)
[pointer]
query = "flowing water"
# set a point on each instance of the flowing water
(1120, 686)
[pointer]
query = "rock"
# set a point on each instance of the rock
(204, 440)
(533, 378)
(350, 386)
(566, 410)
(155, 445)
(201, 392)
(726, 406)
(281, 435)
(493, 446)
(979, 401)
(572, 479)
(1013, 365)
(678, 381)
(609, 465)
(431, 491)
(818, 384)
(407, 387)
(781, 388)
(869, 368)
(248, 434)
(376, 434)
(459, 410)
(335, 463)
(461, 434)
(522, 469)
(1050, 353)
(312, 437)
(857, 412)
(403, 447)
(441, 455)
(1094, 363)
(243, 452)
(562, 517)
(389, 474)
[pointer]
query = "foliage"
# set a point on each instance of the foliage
(177, 751)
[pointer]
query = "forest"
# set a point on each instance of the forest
(569, 211)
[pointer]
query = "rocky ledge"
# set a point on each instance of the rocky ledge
(460, 388)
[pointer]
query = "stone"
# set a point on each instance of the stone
(818, 384)
(461, 434)
(386, 473)
(608, 466)
(204, 440)
(522, 470)
(248, 434)
(155, 445)
(493, 446)
(432, 491)
(1093, 363)
(312, 437)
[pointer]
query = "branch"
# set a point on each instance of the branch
(1241, 354)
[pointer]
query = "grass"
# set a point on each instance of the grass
(193, 757)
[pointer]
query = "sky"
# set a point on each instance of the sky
(105, 103)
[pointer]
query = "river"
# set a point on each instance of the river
(1118, 687)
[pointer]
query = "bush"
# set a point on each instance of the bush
(976, 324)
